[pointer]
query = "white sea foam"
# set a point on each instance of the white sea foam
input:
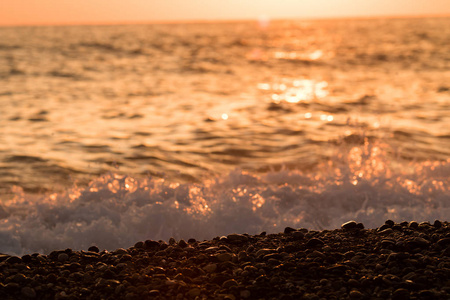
(117, 211)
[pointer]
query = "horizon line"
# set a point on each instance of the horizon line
(231, 20)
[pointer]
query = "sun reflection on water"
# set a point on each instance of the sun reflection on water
(293, 55)
(299, 90)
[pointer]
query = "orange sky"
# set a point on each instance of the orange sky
(38, 12)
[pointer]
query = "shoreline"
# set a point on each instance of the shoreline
(407, 260)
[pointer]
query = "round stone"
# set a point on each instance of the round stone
(224, 257)
(400, 294)
(349, 225)
(314, 242)
(288, 230)
(229, 283)
(194, 292)
(63, 257)
(355, 294)
(28, 292)
(13, 260)
(182, 244)
(94, 249)
(237, 238)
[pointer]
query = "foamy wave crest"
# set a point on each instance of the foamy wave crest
(116, 210)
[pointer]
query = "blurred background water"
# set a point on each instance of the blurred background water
(168, 129)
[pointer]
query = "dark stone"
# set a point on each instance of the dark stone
(237, 238)
(437, 224)
(94, 249)
(349, 225)
(389, 223)
(13, 260)
(389, 244)
(314, 242)
(397, 227)
(26, 258)
(400, 294)
(418, 242)
(139, 245)
(444, 242)
(413, 225)
(288, 230)
(4, 257)
(149, 244)
(182, 244)
(384, 227)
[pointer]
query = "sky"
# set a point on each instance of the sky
(44, 12)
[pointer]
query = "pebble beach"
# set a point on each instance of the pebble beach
(407, 260)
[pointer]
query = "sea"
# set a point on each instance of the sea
(115, 134)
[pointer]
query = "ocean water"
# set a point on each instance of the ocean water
(114, 134)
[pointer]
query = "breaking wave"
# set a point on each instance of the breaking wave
(118, 210)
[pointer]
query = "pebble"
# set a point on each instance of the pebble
(28, 292)
(194, 292)
(224, 257)
(62, 257)
(349, 225)
(387, 231)
(355, 294)
(262, 252)
(409, 263)
(237, 238)
(229, 283)
(401, 294)
(314, 243)
(211, 268)
(245, 294)
(288, 230)
(298, 235)
(94, 249)
(13, 260)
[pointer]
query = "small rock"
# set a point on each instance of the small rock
(182, 244)
(389, 223)
(120, 251)
(242, 255)
(355, 294)
(4, 257)
(229, 283)
(245, 294)
(387, 243)
(153, 293)
(400, 294)
(211, 268)
(349, 225)
(262, 252)
(224, 257)
(413, 225)
(314, 242)
(444, 242)
(62, 257)
(194, 292)
(13, 260)
(437, 224)
(237, 238)
(298, 235)
(149, 244)
(94, 249)
(386, 231)
(139, 245)
(418, 242)
(288, 230)
(28, 292)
